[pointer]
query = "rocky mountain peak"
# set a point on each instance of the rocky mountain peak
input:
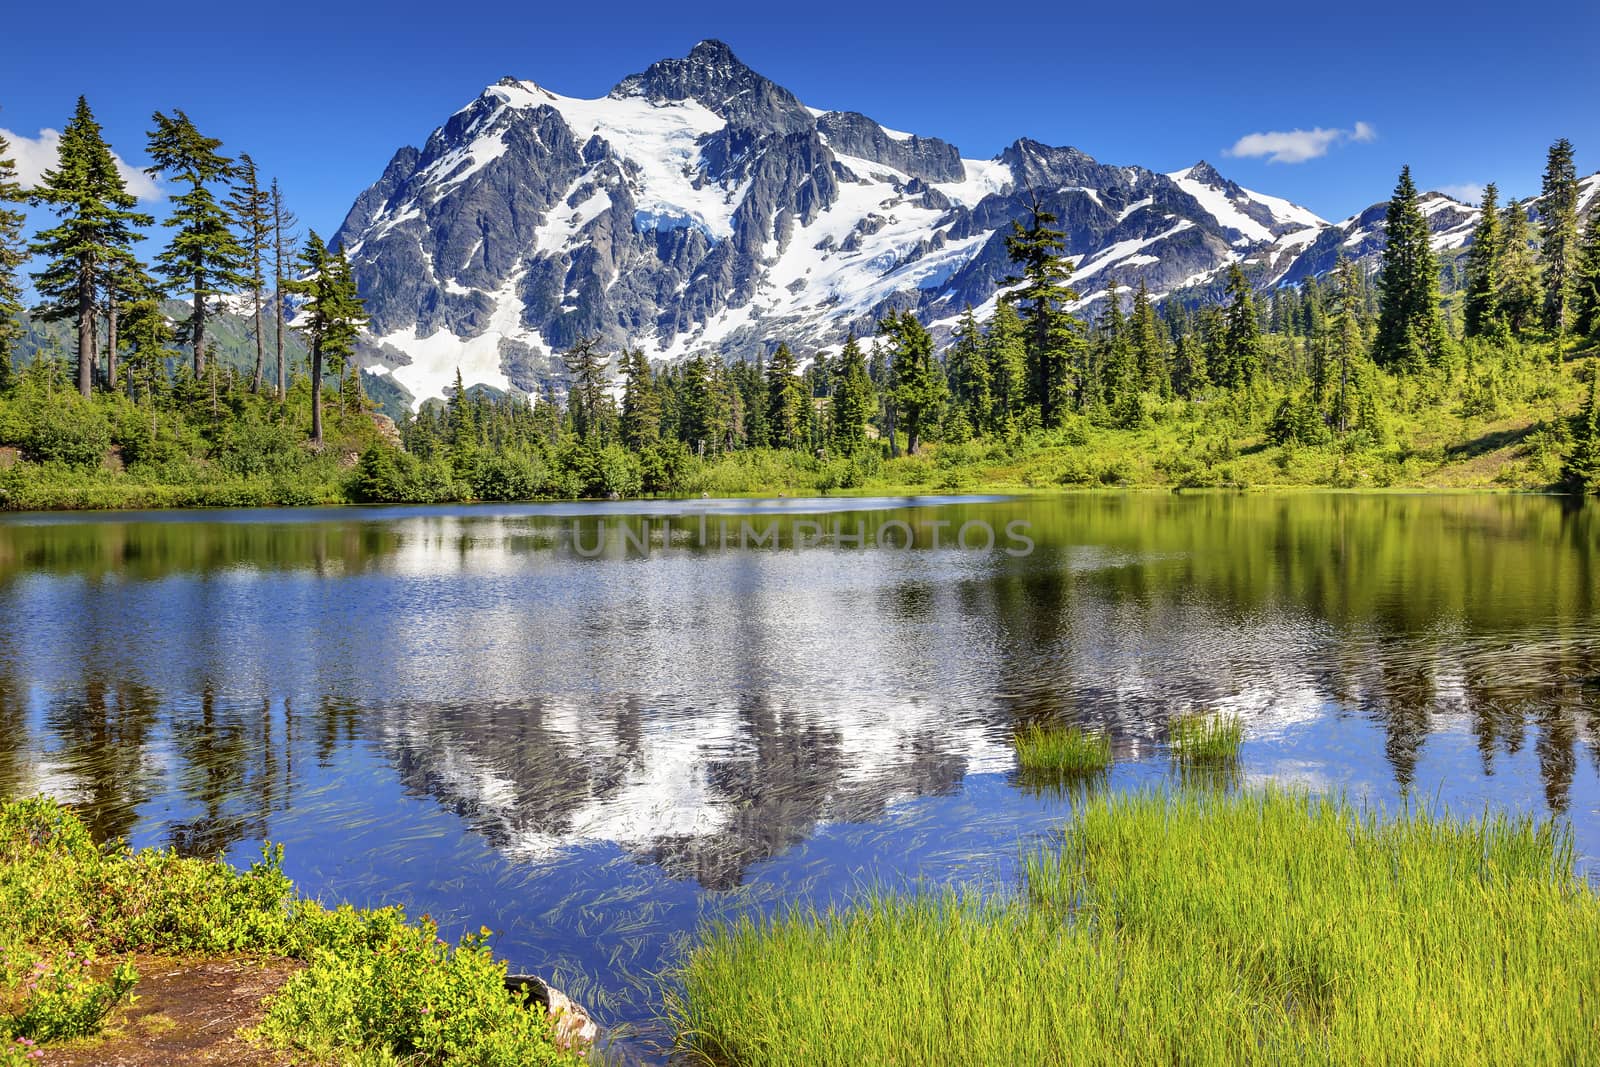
(718, 80)
(1206, 174)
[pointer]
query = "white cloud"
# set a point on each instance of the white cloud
(1297, 146)
(35, 155)
(1466, 192)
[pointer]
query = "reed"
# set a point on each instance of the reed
(1061, 752)
(1198, 737)
(1193, 927)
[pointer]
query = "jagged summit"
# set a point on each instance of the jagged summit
(699, 206)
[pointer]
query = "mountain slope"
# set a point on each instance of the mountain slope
(701, 207)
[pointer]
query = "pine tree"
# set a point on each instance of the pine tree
(1558, 235)
(124, 284)
(285, 244)
(12, 256)
(853, 401)
(1483, 269)
(917, 389)
(784, 400)
(1005, 350)
(1149, 347)
(204, 257)
(1118, 372)
(1581, 471)
(1053, 337)
(252, 208)
(333, 316)
(1586, 281)
(1241, 333)
(641, 404)
(1519, 299)
(149, 338)
(1410, 333)
(1347, 342)
(968, 370)
(98, 227)
(587, 380)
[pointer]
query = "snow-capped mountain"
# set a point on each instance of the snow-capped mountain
(701, 207)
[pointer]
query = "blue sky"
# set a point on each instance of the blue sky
(322, 94)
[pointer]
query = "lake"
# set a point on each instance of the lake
(593, 727)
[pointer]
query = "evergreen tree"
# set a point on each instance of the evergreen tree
(252, 208)
(285, 244)
(96, 231)
(1581, 471)
(1347, 343)
(204, 257)
(587, 379)
(917, 389)
(1241, 333)
(1558, 235)
(698, 418)
(1118, 372)
(853, 401)
(1519, 299)
(125, 283)
(1410, 333)
(333, 316)
(12, 256)
(1005, 350)
(967, 367)
(784, 400)
(641, 404)
(148, 334)
(1483, 269)
(1052, 336)
(1586, 281)
(1149, 347)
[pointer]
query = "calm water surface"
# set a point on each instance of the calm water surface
(594, 727)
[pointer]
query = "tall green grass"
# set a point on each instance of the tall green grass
(1061, 752)
(1196, 928)
(1198, 737)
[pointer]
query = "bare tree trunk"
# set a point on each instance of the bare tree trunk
(261, 351)
(87, 356)
(111, 345)
(316, 392)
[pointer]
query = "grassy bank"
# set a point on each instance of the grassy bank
(368, 987)
(1196, 928)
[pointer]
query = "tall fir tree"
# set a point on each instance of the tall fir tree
(587, 381)
(1053, 338)
(13, 255)
(968, 371)
(285, 247)
(1519, 299)
(333, 314)
(1580, 473)
(252, 210)
(1558, 235)
(1586, 281)
(1410, 332)
(784, 400)
(1481, 311)
(853, 402)
(1149, 345)
(1241, 333)
(1005, 350)
(204, 257)
(94, 237)
(1347, 343)
(917, 388)
(641, 403)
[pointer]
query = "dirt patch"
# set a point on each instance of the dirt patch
(188, 1013)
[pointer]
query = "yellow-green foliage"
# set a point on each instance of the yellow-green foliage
(376, 984)
(1198, 928)
(1197, 737)
(1045, 752)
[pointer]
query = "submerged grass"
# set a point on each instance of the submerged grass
(1196, 928)
(1061, 752)
(1199, 737)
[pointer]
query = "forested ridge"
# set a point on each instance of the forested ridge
(1409, 372)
